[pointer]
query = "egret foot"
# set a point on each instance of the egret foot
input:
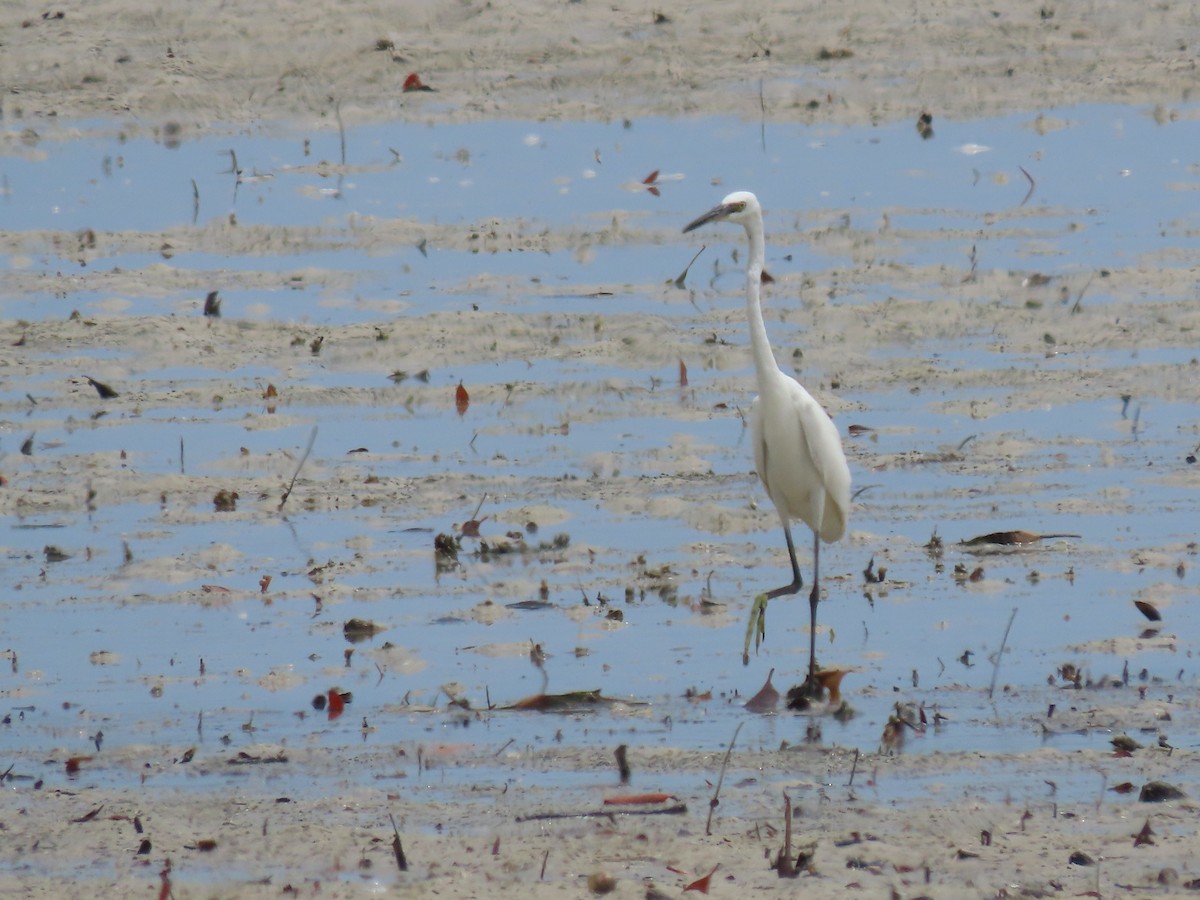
(757, 626)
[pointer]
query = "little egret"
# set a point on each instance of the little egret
(797, 451)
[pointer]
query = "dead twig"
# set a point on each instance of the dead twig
(1078, 305)
(715, 801)
(307, 450)
(678, 809)
(1000, 653)
(1032, 186)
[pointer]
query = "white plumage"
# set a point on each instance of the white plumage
(797, 450)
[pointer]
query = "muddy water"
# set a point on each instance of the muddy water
(1019, 351)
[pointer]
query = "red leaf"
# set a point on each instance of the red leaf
(461, 399)
(701, 884)
(651, 178)
(414, 83)
(75, 762)
(336, 704)
(683, 382)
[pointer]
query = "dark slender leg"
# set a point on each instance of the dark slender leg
(813, 599)
(797, 581)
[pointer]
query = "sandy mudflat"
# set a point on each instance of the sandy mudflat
(208, 65)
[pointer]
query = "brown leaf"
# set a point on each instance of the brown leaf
(271, 392)
(1143, 837)
(397, 847)
(634, 799)
(358, 630)
(766, 277)
(683, 381)
(74, 763)
(1010, 538)
(264, 583)
(1148, 609)
(102, 389)
(1159, 791)
(651, 178)
(471, 528)
(766, 699)
(89, 816)
(461, 399)
(225, 501)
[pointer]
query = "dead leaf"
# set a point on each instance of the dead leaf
(462, 399)
(701, 884)
(683, 380)
(89, 816)
(1148, 609)
(225, 501)
(766, 699)
(102, 389)
(636, 799)
(471, 528)
(397, 847)
(1143, 837)
(358, 630)
(1010, 538)
(414, 83)
(1159, 792)
(336, 704)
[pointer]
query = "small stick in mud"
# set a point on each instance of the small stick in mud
(1077, 305)
(713, 803)
(300, 465)
(622, 763)
(1032, 186)
(1000, 653)
(397, 847)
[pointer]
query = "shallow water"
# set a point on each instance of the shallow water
(1113, 190)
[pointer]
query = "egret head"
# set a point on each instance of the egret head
(740, 207)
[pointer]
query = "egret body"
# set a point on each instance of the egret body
(797, 450)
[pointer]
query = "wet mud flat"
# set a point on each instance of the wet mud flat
(1007, 364)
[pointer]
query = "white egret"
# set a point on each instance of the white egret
(797, 449)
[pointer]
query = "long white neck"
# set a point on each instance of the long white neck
(760, 345)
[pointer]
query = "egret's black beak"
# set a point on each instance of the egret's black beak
(717, 212)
